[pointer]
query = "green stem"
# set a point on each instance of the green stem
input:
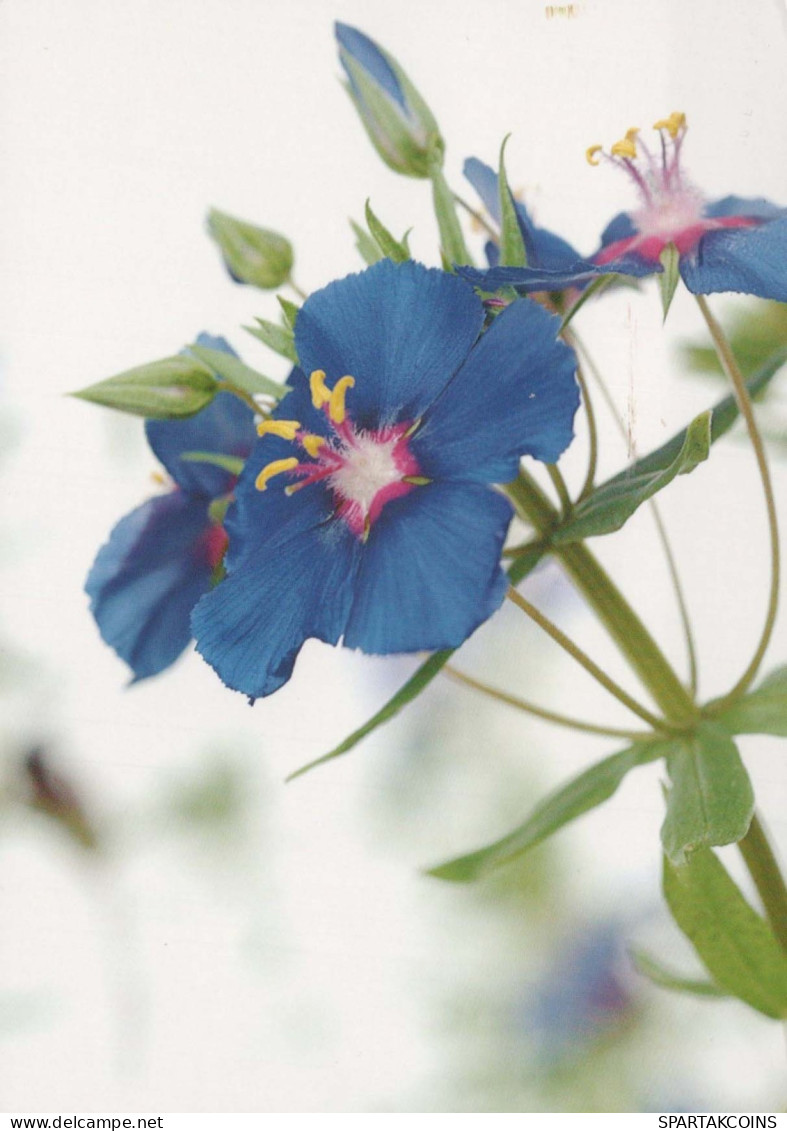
(730, 367)
(477, 216)
(559, 483)
(299, 292)
(451, 239)
(617, 615)
(585, 661)
(763, 869)
(590, 477)
(543, 712)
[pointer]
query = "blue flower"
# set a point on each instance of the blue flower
(731, 244)
(399, 123)
(366, 510)
(161, 557)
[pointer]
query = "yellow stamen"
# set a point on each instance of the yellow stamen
(275, 468)
(158, 478)
(627, 146)
(336, 409)
(673, 125)
(312, 443)
(591, 154)
(284, 428)
(321, 394)
(416, 480)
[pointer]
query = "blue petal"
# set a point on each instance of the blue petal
(529, 280)
(749, 260)
(492, 253)
(430, 571)
(147, 578)
(484, 181)
(515, 395)
(296, 584)
(620, 227)
(225, 426)
(369, 56)
(401, 330)
(756, 208)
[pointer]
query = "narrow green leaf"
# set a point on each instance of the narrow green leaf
(227, 463)
(611, 505)
(452, 242)
(389, 246)
(289, 311)
(669, 277)
(252, 255)
(161, 390)
(512, 245)
(599, 284)
(735, 943)
(277, 338)
(517, 571)
(762, 711)
(367, 247)
(661, 976)
(710, 801)
(594, 786)
(232, 370)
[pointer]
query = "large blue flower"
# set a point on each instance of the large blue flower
(161, 557)
(366, 510)
(731, 244)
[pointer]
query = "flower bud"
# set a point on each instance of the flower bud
(252, 255)
(399, 123)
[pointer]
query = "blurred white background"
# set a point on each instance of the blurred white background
(296, 960)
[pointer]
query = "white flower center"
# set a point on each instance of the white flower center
(369, 466)
(671, 211)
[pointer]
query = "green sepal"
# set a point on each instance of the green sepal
(512, 246)
(232, 464)
(278, 338)
(236, 373)
(218, 508)
(661, 976)
(169, 389)
(710, 801)
(289, 310)
(669, 277)
(390, 247)
(762, 711)
(583, 793)
(452, 242)
(611, 505)
(257, 256)
(366, 247)
(735, 944)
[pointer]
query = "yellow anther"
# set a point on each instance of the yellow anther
(158, 478)
(673, 125)
(287, 429)
(321, 394)
(275, 468)
(591, 154)
(336, 409)
(627, 146)
(312, 443)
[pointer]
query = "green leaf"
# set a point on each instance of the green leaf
(278, 338)
(518, 570)
(227, 463)
(512, 245)
(735, 943)
(290, 311)
(389, 246)
(710, 801)
(452, 242)
(661, 976)
(161, 390)
(232, 370)
(367, 247)
(594, 786)
(762, 711)
(611, 505)
(253, 255)
(669, 277)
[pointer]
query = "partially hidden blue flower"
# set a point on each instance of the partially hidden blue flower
(366, 511)
(161, 558)
(733, 244)
(399, 123)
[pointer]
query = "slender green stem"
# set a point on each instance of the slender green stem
(242, 395)
(618, 617)
(590, 477)
(585, 661)
(730, 367)
(299, 292)
(559, 484)
(688, 633)
(477, 216)
(764, 870)
(543, 712)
